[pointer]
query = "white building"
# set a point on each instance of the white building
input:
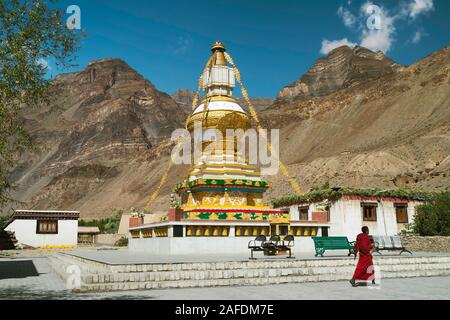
(348, 214)
(45, 229)
(88, 235)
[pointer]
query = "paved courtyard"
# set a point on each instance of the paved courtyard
(32, 278)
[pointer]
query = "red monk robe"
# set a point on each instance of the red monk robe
(364, 269)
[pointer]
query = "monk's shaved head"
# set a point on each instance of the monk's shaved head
(365, 229)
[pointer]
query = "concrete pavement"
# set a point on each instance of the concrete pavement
(32, 278)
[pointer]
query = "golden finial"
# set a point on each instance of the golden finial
(218, 46)
(218, 58)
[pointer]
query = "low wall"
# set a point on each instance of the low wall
(107, 239)
(426, 244)
(206, 245)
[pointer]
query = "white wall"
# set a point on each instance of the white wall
(25, 231)
(207, 245)
(346, 218)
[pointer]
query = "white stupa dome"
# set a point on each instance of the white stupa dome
(219, 105)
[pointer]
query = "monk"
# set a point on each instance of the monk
(364, 269)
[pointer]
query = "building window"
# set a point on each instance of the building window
(401, 211)
(369, 211)
(47, 227)
(303, 213)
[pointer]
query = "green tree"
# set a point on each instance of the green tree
(106, 225)
(31, 32)
(433, 218)
(3, 221)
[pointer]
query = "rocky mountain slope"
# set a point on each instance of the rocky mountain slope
(342, 68)
(363, 121)
(102, 126)
(391, 131)
(184, 97)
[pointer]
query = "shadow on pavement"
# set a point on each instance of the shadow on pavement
(25, 293)
(17, 269)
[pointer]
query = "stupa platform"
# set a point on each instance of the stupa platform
(126, 257)
(118, 270)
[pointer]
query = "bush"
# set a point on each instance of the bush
(107, 225)
(3, 221)
(122, 242)
(433, 218)
(318, 194)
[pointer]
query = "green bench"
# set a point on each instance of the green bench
(322, 244)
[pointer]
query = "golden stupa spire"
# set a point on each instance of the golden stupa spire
(218, 50)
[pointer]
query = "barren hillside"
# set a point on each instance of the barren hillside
(102, 143)
(393, 131)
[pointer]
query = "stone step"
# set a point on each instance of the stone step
(246, 273)
(97, 276)
(60, 262)
(259, 264)
(141, 285)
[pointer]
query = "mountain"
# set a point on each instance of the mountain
(102, 143)
(101, 122)
(391, 130)
(184, 97)
(343, 67)
(260, 104)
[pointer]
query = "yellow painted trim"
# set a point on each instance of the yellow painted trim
(234, 165)
(56, 247)
(237, 172)
(193, 207)
(219, 98)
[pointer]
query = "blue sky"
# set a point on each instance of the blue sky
(272, 42)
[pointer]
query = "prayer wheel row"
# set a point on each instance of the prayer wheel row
(135, 234)
(161, 232)
(252, 231)
(303, 231)
(207, 231)
(147, 233)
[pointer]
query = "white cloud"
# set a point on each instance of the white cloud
(382, 37)
(182, 45)
(379, 39)
(327, 45)
(417, 37)
(347, 17)
(418, 7)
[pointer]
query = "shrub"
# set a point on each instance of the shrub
(3, 221)
(318, 194)
(122, 242)
(433, 218)
(107, 225)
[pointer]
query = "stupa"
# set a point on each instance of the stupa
(222, 185)
(221, 203)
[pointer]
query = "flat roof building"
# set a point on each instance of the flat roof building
(45, 228)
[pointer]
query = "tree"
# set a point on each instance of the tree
(433, 218)
(30, 33)
(107, 225)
